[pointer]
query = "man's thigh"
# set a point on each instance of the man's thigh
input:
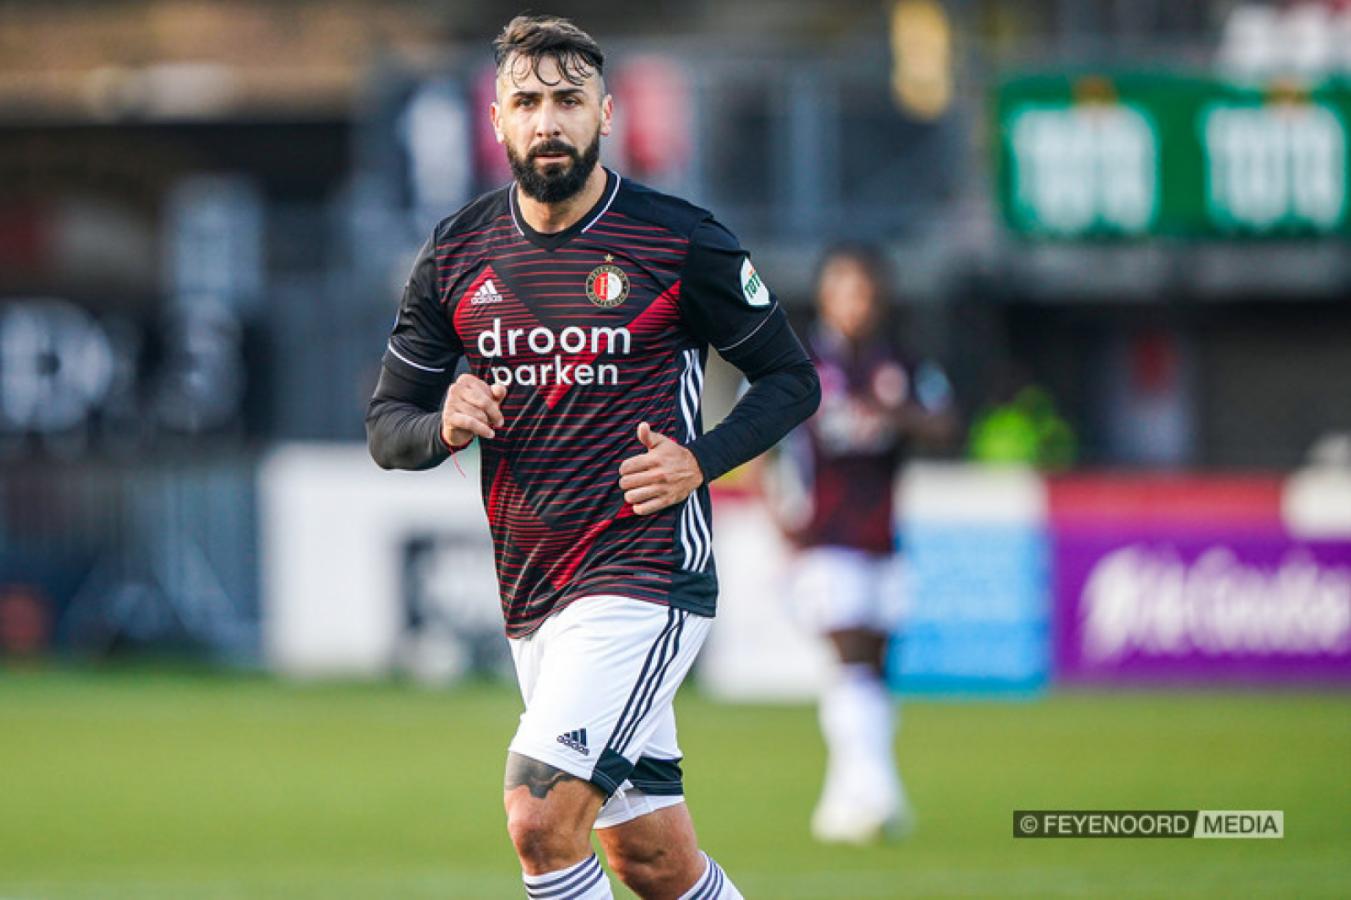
(599, 678)
(536, 792)
(664, 840)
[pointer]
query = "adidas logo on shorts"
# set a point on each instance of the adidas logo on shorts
(576, 740)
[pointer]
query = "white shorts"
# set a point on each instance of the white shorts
(598, 680)
(838, 588)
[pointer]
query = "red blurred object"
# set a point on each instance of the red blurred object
(25, 239)
(652, 98)
(24, 627)
(490, 157)
(1240, 501)
(1155, 362)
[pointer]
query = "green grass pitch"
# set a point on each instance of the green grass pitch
(170, 785)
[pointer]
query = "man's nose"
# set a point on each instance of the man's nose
(546, 123)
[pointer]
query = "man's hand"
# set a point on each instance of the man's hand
(663, 476)
(473, 407)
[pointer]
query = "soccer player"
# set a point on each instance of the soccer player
(847, 586)
(584, 305)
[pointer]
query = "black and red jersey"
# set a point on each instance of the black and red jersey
(593, 330)
(848, 454)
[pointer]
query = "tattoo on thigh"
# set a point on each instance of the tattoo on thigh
(539, 778)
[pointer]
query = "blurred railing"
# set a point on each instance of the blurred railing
(100, 558)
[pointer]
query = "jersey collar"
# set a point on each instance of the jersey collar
(554, 240)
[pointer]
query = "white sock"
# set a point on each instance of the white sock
(713, 884)
(857, 720)
(584, 881)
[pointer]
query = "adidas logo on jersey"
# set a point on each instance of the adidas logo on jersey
(576, 740)
(487, 293)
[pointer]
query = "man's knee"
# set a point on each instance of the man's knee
(549, 813)
(547, 835)
(539, 836)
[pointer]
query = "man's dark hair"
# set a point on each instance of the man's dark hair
(533, 38)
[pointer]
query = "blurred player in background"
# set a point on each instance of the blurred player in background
(585, 305)
(834, 499)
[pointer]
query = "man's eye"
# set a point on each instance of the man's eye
(571, 101)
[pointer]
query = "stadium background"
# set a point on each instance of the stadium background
(238, 661)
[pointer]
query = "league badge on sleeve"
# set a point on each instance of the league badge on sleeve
(607, 286)
(752, 285)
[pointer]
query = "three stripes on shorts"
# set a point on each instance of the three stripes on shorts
(665, 650)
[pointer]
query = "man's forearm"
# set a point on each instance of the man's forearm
(403, 424)
(784, 392)
(775, 404)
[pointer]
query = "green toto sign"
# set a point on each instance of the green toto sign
(1096, 156)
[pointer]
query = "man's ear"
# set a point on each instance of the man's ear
(607, 111)
(493, 116)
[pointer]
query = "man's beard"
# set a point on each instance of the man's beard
(556, 182)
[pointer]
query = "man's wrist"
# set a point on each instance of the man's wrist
(702, 460)
(698, 469)
(451, 446)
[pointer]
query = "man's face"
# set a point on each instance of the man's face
(847, 297)
(551, 127)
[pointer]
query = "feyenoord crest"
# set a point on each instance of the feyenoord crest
(607, 286)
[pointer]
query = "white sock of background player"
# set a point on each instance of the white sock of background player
(858, 721)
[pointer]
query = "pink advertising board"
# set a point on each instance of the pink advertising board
(1191, 579)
